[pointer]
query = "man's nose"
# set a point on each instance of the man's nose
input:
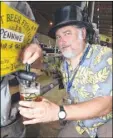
(62, 41)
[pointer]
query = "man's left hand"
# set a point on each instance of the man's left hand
(37, 112)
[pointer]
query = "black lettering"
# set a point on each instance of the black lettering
(10, 35)
(16, 37)
(13, 18)
(18, 46)
(6, 68)
(4, 61)
(5, 34)
(11, 46)
(33, 28)
(1, 18)
(17, 19)
(20, 38)
(24, 23)
(1, 31)
(12, 67)
(10, 17)
(16, 65)
(17, 28)
(26, 26)
(4, 46)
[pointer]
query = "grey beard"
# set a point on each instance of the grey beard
(69, 55)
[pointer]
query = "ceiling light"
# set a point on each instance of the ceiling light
(50, 23)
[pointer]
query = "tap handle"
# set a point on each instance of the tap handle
(27, 67)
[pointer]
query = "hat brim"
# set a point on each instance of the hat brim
(53, 30)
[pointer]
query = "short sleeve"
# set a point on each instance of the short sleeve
(103, 72)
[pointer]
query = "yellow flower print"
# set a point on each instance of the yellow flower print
(89, 53)
(97, 59)
(98, 124)
(94, 47)
(102, 51)
(82, 75)
(95, 88)
(109, 61)
(79, 130)
(109, 116)
(101, 76)
(106, 49)
(83, 93)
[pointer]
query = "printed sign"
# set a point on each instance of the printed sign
(16, 32)
(104, 37)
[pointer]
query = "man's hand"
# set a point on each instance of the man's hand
(37, 112)
(31, 53)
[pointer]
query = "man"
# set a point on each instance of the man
(11, 123)
(87, 77)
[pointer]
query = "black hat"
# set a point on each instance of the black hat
(68, 15)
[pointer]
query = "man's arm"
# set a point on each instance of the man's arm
(101, 104)
(94, 108)
(46, 111)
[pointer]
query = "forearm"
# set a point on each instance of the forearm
(46, 111)
(91, 109)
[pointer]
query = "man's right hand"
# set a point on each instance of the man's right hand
(31, 53)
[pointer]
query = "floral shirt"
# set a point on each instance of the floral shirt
(93, 79)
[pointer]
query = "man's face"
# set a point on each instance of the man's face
(70, 41)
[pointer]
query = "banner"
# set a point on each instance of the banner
(104, 37)
(16, 31)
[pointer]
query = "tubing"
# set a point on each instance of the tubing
(48, 87)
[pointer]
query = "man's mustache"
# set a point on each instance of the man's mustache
(64, 46)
